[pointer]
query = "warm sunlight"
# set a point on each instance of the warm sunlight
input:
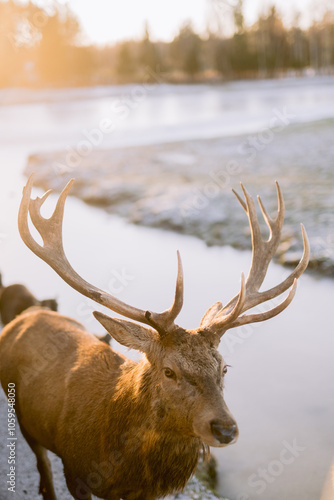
(105, 22)
(109, 21)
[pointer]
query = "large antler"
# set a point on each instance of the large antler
(263, 251)
(52, 252)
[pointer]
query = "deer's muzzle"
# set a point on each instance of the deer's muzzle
(223, 434)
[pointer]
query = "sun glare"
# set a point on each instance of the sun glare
(114, 20)
(109, 21)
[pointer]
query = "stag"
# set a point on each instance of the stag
(16, 298)
(125, 429)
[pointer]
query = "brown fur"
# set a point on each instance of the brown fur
(122, 429)
(15, 299)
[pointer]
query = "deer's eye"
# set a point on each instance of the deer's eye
(224, 370)
(169, 373)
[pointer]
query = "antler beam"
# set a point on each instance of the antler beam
(263, 251)
(52, 252)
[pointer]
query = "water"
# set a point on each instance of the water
(148, 113)
(279, 129)
(280, 387)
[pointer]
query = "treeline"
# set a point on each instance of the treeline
(40, 47)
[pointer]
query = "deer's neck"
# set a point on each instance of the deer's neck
(156, 439)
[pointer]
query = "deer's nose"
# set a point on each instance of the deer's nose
(222, 433)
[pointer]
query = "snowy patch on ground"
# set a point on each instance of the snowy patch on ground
(186, 186)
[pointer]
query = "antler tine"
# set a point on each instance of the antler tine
(253, 220)
(280, 210)
(255, 318)
(222, 318)
(23, 218)
(220, 329)
(163, 321)
(263, 252)
(259, 265)
(52, 253)
(282, 287)
(50, 229)
(254, 300)
(175, 310)
(240, 200)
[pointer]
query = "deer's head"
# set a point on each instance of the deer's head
(188, 375)
(187, 368)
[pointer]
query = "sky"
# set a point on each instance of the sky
(107, 21)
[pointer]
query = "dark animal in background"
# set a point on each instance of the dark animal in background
(127, 430)
(14, 299)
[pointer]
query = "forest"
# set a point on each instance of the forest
(45, 48)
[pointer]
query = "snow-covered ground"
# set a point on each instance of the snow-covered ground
(186, 186)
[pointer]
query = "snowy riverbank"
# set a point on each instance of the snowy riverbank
(186, 186)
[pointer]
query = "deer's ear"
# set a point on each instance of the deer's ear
(211, 313)
(129, 334)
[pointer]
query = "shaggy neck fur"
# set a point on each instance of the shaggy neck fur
(162, 450)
